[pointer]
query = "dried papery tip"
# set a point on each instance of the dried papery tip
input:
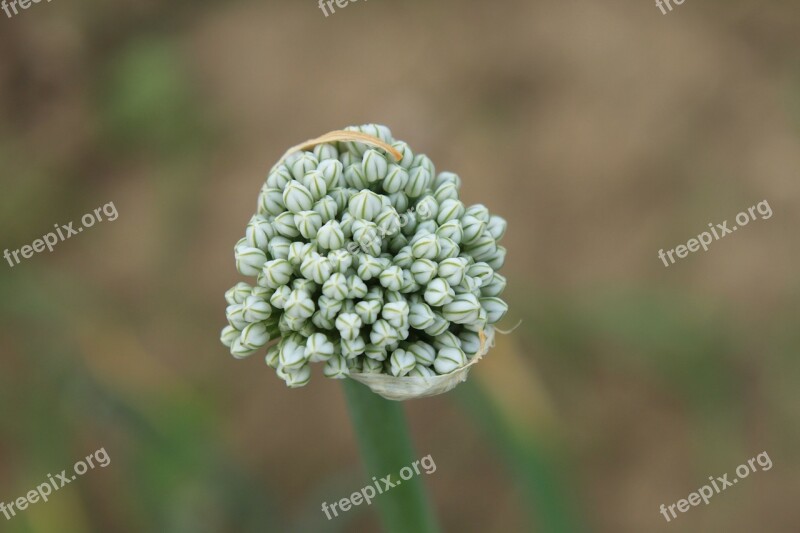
(343, 136)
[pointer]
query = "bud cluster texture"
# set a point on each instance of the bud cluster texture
(365, 264)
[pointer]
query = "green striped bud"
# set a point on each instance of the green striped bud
(392, 278)
(332, 172)
(329, 307)
(306, 162)
(420, 371)
(368, 310)
(284, 224)
(444, 178)
(292, 356)
(256, 309)
(464, 309)
(483, 248)
(229, 334)
(448, 339)
(427, 208)
(255, 336)
(451, 210)
(495, 309)
(369, 267)
(349, 325)
(445, 191)
(396, 179)
(371, 366)
(470, 342)
(335, 287)
(448, 360)
(278, 247)
(439, 326)
(277, 272)
(315, 182)
(399, 200)
(396, 313)
(376, 353)
(239, 351)
(279, 178)
(473, 229)
(325, 152)
(336, 368)
(270, 202)
(318, 348)
(419, 179)
(273, 356)
(249, 261)
(426, 247)
(340, 260)
(438, 293)
(481, 272)
(496, 227)
(330, 236)
(402, 362)
(408, 156)
(308, 223)
(383, 334)
(296, 197)
(452, 270)
(238, 293)
(451, 230)
(341, 195)
(498, 259)
(421, 316)
(259, 231)
(280, 296)
(299, 305)
(423, 352)
(374, 166)
(353, 348)
(316, 268)
(365, 205)
(354, 177)
(297, 378)
(356, 288)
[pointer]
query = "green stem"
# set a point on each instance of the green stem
(382, 433)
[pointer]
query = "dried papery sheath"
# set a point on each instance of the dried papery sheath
(366, 263)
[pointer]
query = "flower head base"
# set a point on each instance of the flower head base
(365, 260)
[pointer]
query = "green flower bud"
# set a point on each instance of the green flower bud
(383, 334)
(349, 325)
(409, 285)
(279, 178)
(303, 164)
(439, 293)
(396, 313)
(353, 348)
(262, 293)
(341, 260)
(447, 178)
(284, 224)
(397, 243)
(426, 247)
(354, 177)
(299, 305)
(270, 202)
(249, 261)
(495, 286)
(376, 353)
(325, 152)
(369, 267)
(421, 160)
(374, 166)
(498, 259)
(256, 309)
(420, 371)
(318, 348)
(297, 378)
(346, 158)
(316, 268)
(423, 353)
(365, 205)
(473, 229)
(470, 342)
(401, 362)
(483, 248)
(399, 200)
(368, 310)
(450, 210)
(375, 293)
(332, 172)
(336, 368)
(321, 321)
(280, 296)
(496, 227)
(278, 247)
(439, 326)
(448, 339)
(259, 231)
(481, 272)
(239, 351)
(480, 212)
(371, 366)
(315, 182)
(495, 309)
(277, 272)
(335, 287)
(341, 196)
(308, 223)
(419, 179)
(329, 307)
(296, 197)
(463, 309)
(452, 270)
(230, 333)
(392, 278)
(421, 316)
(404, 258)
(273, 356)
(408, 156)
(330, 236)
(396, 179)
(388, 221)
(449, 360)
(427, 208)
(356, 288)
(255, 336)
(451, 230)
(238, 293)
(292, 356)
(446, 191)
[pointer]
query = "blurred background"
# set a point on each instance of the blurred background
(601, 132)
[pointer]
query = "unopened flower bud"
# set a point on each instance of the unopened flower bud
(401, 362)
(296, 197)
(448, 360)
(250, 260)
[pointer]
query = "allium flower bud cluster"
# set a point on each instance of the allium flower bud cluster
(366, 263)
